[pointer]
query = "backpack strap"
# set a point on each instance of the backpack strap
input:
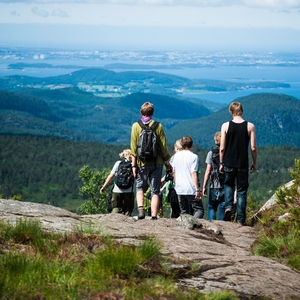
(154, 125)
(142, 124)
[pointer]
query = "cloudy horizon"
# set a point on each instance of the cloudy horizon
(152, 24)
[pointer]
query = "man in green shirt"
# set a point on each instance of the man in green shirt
(148, 172)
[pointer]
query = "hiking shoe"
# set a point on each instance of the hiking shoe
(153, 218)
(227, 216)
(141, 213)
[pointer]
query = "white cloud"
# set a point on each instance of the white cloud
(59, 13)
(40, 12)
(276, 4)
(14, 13)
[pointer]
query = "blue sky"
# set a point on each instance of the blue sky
(197, 25)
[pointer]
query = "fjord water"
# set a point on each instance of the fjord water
(245, 74)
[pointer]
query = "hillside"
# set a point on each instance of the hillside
(28, 114)
(275, 116)
(45, 169)
(79, 115)
(82, 116)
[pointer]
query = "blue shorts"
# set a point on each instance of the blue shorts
(149, 175)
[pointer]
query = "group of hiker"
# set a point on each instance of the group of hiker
(227, 170)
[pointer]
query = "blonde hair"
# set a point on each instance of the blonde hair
(147, 109)
(178, 145)
(217, 137)
(125, 154)
(236, 108)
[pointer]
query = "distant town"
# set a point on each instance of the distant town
(196, 59)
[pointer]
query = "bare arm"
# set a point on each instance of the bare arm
(133, 148)
(134, 165)
(196, 185)
(107, 182)
(224, 130)
(205, 180)
(253, 147)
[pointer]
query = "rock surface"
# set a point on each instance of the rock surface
(273, 200)
(221, 248)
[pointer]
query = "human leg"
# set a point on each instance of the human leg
(155, 175)
(183, 204)
(212, 204)
(128, 203)
(141, 188)
(154, 205)
(229, 183)
(140, 204)
(242, 185)
(117, 203)
(221, 202)
(175, 209)
(197, 206)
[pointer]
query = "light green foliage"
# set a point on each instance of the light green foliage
(17, 197)
(123, 261)
(27, 231)
(225, 295)
(92, 181)
(281, 239)
(290, 197)
(149, 248)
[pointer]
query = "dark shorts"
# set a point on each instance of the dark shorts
(149, 176)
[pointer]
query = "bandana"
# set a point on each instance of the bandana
(146, 119)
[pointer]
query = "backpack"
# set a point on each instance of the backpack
(124, 177)
(215, 174)
(147, 148)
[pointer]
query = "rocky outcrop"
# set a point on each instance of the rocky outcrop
(273, 200)
(222, 249)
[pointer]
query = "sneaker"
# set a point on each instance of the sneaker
(227, 216)
(153, 218)
(141, 213)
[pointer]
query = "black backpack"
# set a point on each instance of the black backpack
(215, 174)
(147, 148)
(124, 178)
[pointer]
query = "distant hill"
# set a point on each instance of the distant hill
(165, 107)
(275, 116)
(27, 104)
(28, 114)
(105, 82)
(79, 115)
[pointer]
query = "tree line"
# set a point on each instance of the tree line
(46, 169)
